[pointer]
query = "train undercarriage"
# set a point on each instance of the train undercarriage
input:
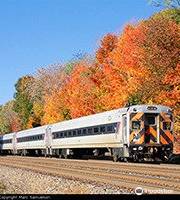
(133, 153)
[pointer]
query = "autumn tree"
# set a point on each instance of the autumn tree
(121, 66)
(9, 119)
(159, 54)
(79, 90)
(170, 14)
(107, 45)
(22, 103)
(166, 3)
(46, 92)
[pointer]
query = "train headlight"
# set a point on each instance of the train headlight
(134, 148)
(140, 148)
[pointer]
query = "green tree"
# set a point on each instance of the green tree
(22, 104)
(165, 3)
(172, 14)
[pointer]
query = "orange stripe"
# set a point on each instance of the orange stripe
(137, 116)
(141, 139)
(163, 141)
(153, 132)
(131, 136)
(170, 136)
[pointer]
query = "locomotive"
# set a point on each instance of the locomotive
(137, 133)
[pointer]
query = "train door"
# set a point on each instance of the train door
(14, 144)
(125, 136)
(48, 141)
(124, 129)
(151, 128)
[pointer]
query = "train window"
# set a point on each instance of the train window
(96, 130)
(65, 134)
(89, 130)
(74, 132)
(84, 131)
(110, 129)
(69, 133)
(102, 129)
(167, 126)
(79, 132)
(136, 125)
(151, 120)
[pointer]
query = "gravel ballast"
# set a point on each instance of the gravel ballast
(20, 181)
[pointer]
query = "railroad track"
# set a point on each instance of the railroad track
(120, 175)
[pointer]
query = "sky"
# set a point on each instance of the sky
(37, 33)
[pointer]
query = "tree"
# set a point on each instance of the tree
(160, 51)
(79, 90)
(170, 14)
(22, 104)
(9, 119)
(107, 45)
(166, 3)
(119, 58)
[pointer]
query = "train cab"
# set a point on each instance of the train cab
(151, 133)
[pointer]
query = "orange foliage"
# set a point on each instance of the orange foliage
(108, 44)
(54, 109)
(80, 91)
(121, 66)
(141, 62)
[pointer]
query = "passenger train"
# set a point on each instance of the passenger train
(138, 133)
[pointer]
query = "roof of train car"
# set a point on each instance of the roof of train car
(103, 117)
(149, 108)
(90, 120)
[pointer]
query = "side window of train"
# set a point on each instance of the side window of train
(84, 131)
(167, 126)
(136, 125)
(102, 129)
(74, 132)
(54, 135)
(69, 133)
(110, 129)
(89, 130)
(65, 134)
(96, 130)
(79, 131)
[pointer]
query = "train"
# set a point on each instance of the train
(133, 133)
